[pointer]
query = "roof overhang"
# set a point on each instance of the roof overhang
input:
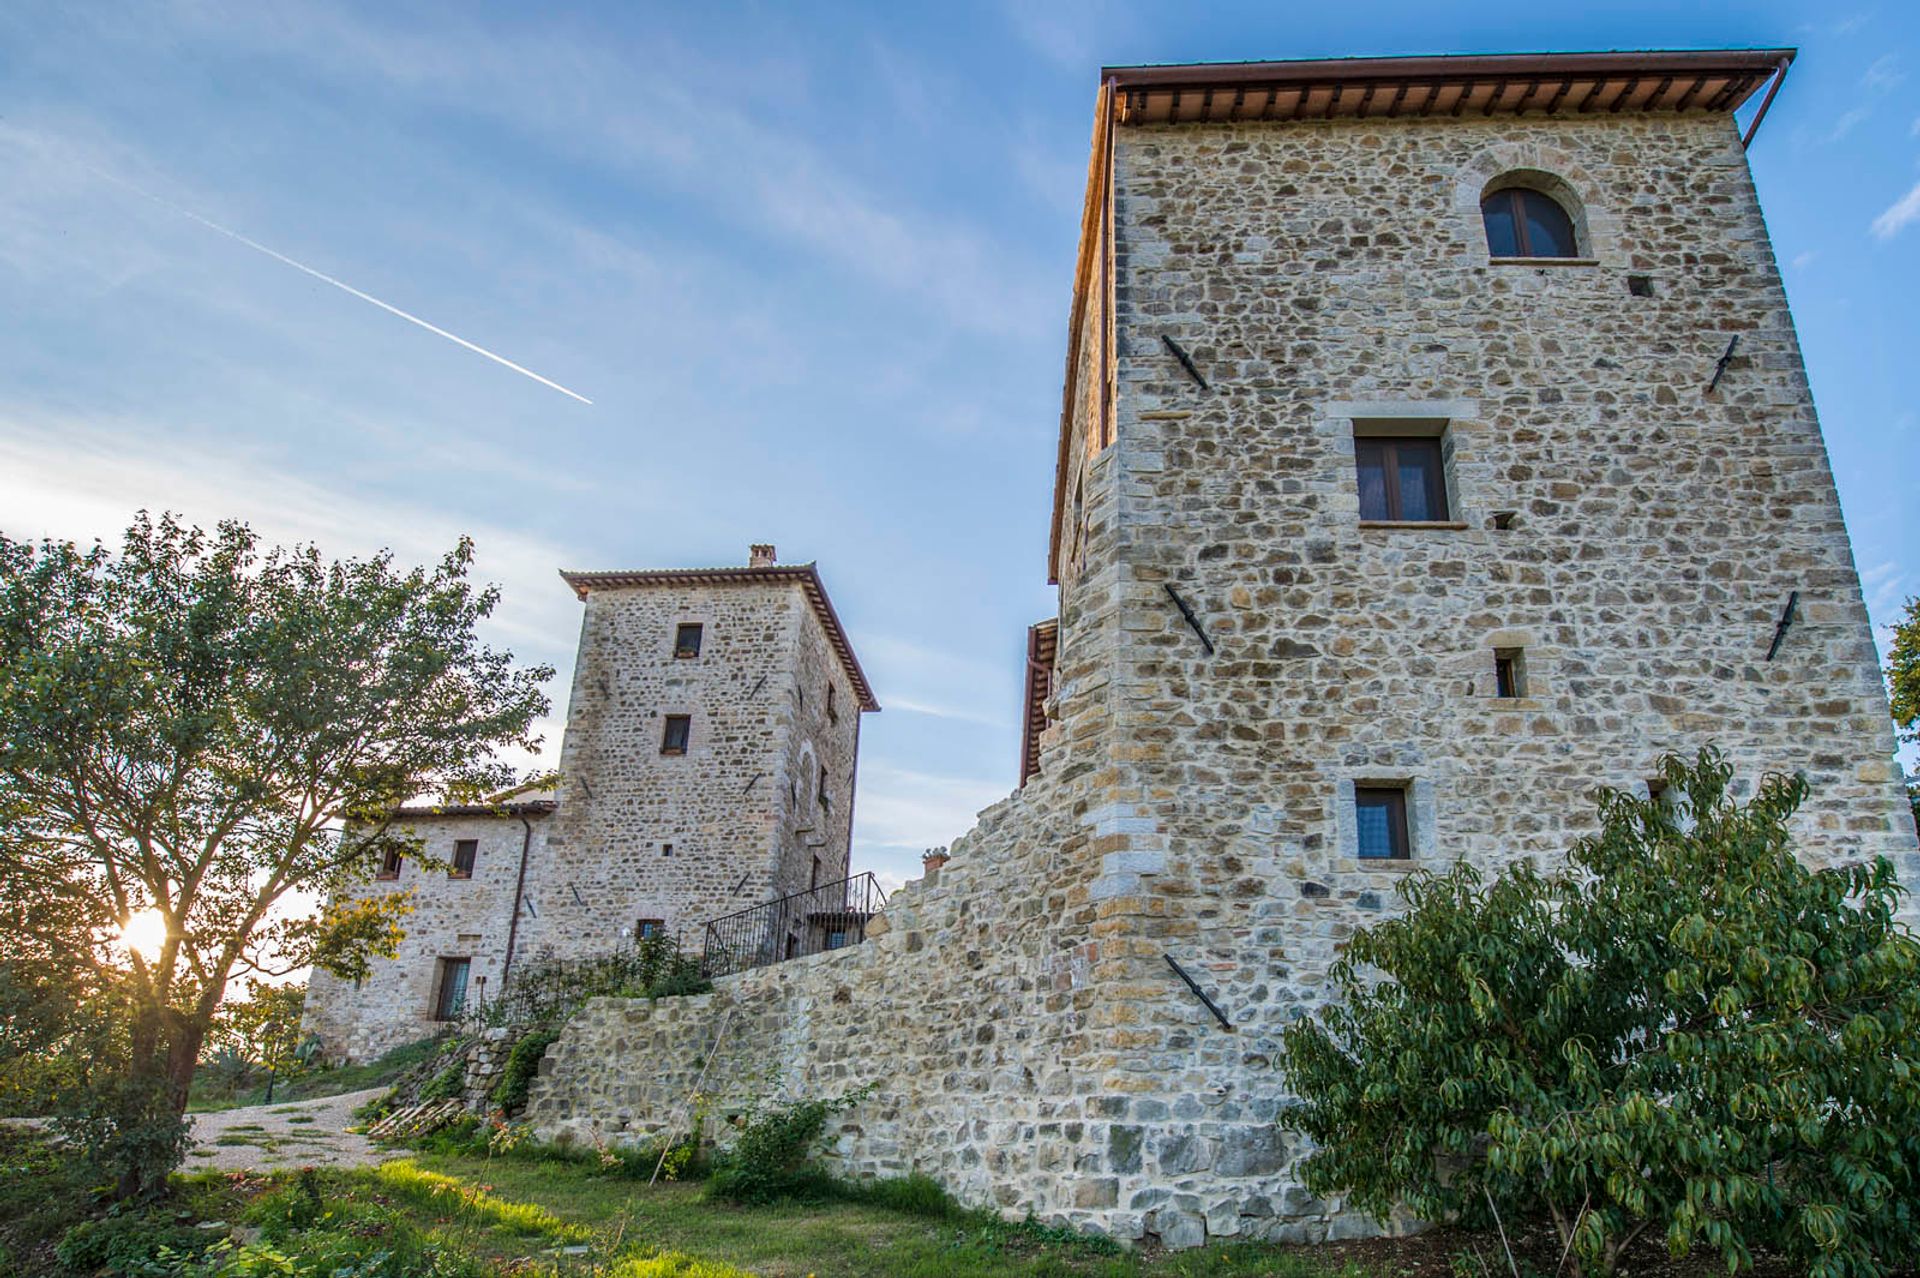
(415, 812)
(804, 576)
(1692, 80)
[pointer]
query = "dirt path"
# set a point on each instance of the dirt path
(273, 1137)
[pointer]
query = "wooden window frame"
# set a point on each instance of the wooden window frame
(1515, 196)
(682, 650)
(390, 862)
(667, 745)
(441, 1011)
(1509, 673)
(640, 927)
(1399, 833)
(472, 848)
(1388, 448)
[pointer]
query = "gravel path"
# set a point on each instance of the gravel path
(272, 1137)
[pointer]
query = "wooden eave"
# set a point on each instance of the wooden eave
(806, 576)
(1043, 643)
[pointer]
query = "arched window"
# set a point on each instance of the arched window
(1523, 222)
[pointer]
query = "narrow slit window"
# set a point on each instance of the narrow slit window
(673, 738)
(452, 993)
(686, 639)
(1402, 479)
(814, 881)
(1380, 814)
(826, 800)
(833, 711)
(1509, 672)
(465, 853)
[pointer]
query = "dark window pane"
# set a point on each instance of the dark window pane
(1380, 816)
(453, 988)
(465, 852)
(1549, 229)
(674, 739)
(686, 641)
(1503, 236)
(650, 928)
(390, 865)
(1415, 489)
(1373, 480)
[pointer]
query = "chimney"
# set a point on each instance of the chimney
(932, 860)
(759, 556)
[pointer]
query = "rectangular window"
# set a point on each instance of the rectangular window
(666, 849)
(814, 880)
(673, 739)
(452, 994)
(836, 940)
(686, 640)
(647, 929)
(465, 852)
(390, 865)
(1509, 672)
(1380, 814)
(1402, 478)
(826, 800)
(833, 713)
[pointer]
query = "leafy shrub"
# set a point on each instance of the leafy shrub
(772, 1158)
(547, 991)
(127, 1129)
(517, 1075)
(1690, 1034)
(128, 1244)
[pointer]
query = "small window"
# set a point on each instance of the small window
(833, 711)
(1509, 672)
(647, 929)
(814, 880)
(826, 800)
(673, 740)
(390, 865)
(1381, 819)
(452, 993)
(666, 849)
(465, 852)
(686, 640)
(793, 946)
(1522, 222)
(1402, 479)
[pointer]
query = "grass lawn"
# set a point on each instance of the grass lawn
(851, 1239)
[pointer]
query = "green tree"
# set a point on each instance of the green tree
(198, 733)
(1903, 689)
(1689, 1032)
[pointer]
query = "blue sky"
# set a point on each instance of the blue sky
(810, 263)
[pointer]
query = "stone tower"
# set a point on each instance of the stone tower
(1411, 484)
(710, 748)
(708, 766)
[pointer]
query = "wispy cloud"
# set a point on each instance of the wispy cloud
(1847, 122)
(342, 285)
(1801, 261)
(1884, 74)
(903, 812)
(1899, 214)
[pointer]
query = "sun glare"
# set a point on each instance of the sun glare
(144, 933)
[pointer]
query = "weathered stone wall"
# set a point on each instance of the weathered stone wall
(993, 1037)
(1033, 1049)
(452, 918)
(740, 811)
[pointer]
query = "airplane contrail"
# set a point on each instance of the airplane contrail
(342, 285)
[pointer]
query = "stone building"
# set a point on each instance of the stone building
(707, 766)
(1435, 448)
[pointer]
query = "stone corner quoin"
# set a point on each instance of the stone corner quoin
(1262, 677)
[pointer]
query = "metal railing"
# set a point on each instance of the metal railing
(829, 917)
